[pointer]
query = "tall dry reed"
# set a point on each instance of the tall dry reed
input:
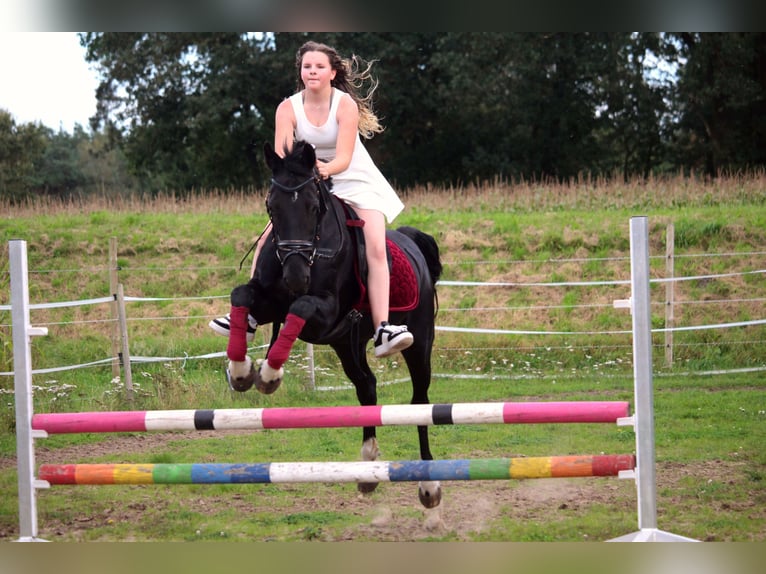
(582, 192)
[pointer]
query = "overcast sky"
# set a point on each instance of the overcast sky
(44, 78)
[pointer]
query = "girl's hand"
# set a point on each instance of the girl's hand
(322, 169)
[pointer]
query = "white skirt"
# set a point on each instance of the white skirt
(363, 186)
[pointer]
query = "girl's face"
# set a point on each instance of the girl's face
(316, 71)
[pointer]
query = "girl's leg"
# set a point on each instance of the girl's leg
(388, 339)
(378, 280)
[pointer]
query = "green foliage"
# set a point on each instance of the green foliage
(721, 107)
(558, 105)
(698, 234)
(58, 171)
(21, 148)
(183, 112)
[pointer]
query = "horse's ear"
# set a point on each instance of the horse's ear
(308, 155)
(272, 159)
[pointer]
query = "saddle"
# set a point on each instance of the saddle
(403, 294)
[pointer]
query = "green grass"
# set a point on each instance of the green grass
(716, 421)
(709, 428)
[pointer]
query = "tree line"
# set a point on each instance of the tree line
(190, 111)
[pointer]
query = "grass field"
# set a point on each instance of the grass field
(710, 405)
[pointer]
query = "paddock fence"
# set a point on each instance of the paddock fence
(457, 330)
(642, 421)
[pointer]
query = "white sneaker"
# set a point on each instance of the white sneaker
(221, 326)
(390, 339)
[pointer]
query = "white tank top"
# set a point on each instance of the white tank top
(361, 185)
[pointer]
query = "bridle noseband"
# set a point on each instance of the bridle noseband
(289, 247)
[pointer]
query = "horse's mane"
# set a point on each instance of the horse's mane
(295, 160)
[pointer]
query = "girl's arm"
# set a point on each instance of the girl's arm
(348, 124)
(284, 127)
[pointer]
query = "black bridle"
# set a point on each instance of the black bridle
(305, 248)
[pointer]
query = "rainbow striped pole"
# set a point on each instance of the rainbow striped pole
(376, 471)
(324, 417)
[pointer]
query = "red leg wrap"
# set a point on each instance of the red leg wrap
(237, 349)
(284, 343)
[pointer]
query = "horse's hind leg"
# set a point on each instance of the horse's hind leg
(367, 395)
(418, 358)
(370, 452)
(429, 491)
(358, 371)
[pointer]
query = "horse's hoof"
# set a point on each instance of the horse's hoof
(241, 383)
(370, 449)
(266, 387)
(366, 487)
(430, 494)
(274, 376)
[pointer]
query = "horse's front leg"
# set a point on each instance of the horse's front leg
(304, 309)
(269, 376)
(241, 373)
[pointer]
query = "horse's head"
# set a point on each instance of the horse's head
(295, 206)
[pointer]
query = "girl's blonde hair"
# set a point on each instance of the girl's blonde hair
(350, 76)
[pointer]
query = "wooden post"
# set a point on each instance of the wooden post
(669, 293)
(113, 307)
(125, 355)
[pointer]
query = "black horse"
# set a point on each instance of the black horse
(307, 284)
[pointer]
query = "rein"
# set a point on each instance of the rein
(252, 248)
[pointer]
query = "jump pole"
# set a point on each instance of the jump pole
(332, 417)
(371, 471)
(643, 419)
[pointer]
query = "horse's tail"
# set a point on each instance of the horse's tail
(430, 249)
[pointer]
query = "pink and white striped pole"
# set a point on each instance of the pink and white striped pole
(333, 417)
